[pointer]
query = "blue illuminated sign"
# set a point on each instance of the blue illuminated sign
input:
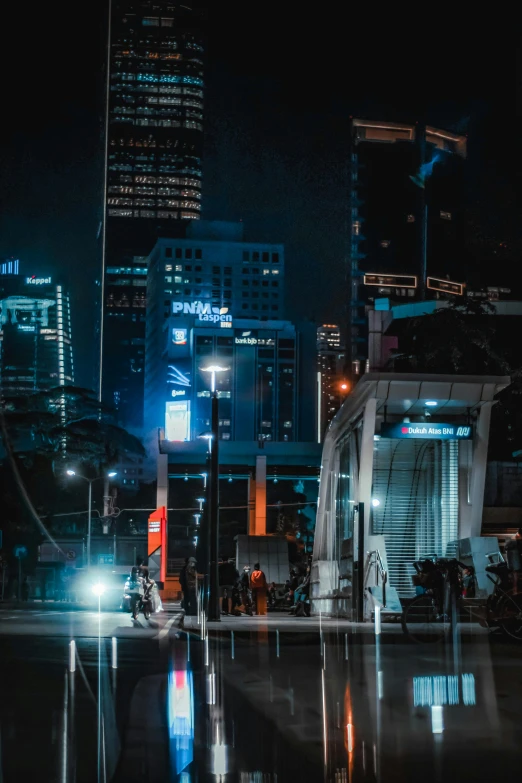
(426, 430)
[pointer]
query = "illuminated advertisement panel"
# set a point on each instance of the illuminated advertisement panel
(399, 281)
(447, 286)
(177, 420)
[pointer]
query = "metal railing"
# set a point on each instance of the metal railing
(376, 560)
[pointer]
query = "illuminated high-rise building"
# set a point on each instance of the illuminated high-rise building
(35, 334)
(154, 139)
(407, 220)
(332, 388)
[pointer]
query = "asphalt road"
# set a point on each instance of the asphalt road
(259, 702)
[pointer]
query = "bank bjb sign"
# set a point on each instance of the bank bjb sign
(204, 311)
(427, 431)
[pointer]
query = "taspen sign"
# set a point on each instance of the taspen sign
(428, 431)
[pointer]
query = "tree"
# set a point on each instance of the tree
(42, 433)
(461, 338)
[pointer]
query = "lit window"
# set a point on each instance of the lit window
(287, 424)
(275, 271)
(356, 227)
(410, 218)
(168, 267)
(385, 243)
(267, 271)
(266, 423)
(178, 268)
(445, 215)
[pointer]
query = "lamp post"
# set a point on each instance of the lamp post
(213, 511)
(89, 509)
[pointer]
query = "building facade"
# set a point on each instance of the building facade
(406, 220)
(35, 340)
(332, 386)
(153, 168)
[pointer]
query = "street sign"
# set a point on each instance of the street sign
(71, 554)
(427, 431)
(105, 559)
(20, 552)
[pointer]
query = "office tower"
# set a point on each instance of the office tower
(212, 300)
(330, 366)
(215, 265)
(406, 220)
(154, 139)
(36, 347)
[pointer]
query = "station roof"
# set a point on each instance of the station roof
(407, 394)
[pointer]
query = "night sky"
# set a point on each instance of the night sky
(282, 79)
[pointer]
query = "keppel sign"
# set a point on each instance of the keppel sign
(426, 431)
(33, 280)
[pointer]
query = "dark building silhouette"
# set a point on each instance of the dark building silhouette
(154, 125)
(406, 220)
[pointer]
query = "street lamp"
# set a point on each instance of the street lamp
(90, 482)
(213, 510)
(213, 369)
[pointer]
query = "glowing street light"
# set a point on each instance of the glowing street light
(213, 369)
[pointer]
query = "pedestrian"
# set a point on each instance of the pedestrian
(246, 593)
(191, 577)
(258, 585)
(228, 577)
(25, 589)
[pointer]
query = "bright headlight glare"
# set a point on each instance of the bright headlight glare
(98, 589)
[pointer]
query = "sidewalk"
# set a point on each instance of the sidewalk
(50, 605)
(289, 624)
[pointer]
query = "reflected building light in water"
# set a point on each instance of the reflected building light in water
(437, 719)
(468, 690)
(349, 737)
(257, 777)
(219, 763)
(180, 704)
(443, 690)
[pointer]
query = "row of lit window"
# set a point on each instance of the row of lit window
(190, 124)
(145, 167)
(124, 90)
(146, 213)
(148, 191)
(126, 270)
(148, 142)
(114, 201)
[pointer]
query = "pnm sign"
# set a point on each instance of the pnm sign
(427, 431)
(204, 310)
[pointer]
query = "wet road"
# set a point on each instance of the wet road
(260, 704)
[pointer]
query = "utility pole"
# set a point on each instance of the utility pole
(213, 605)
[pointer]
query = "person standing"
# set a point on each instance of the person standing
(258, 585)
(183, 584)
(228, 576)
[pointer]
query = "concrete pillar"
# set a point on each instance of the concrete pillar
(251, 505)
(366, 463)
(478, 471)
(162, 488)
(260, 512)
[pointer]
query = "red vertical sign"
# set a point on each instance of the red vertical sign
(157, 537)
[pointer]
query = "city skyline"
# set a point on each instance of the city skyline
(270, 159)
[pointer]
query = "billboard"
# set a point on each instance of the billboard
(427, 431)
(177, 420)
(179, 379)
(447, 286)
(398, 281)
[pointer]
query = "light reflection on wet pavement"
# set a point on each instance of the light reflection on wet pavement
(267, 705)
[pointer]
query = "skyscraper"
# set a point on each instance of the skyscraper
(406, 219)
(35, 334)
(330, 365)
(154, 114)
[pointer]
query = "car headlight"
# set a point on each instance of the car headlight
(98, 589)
